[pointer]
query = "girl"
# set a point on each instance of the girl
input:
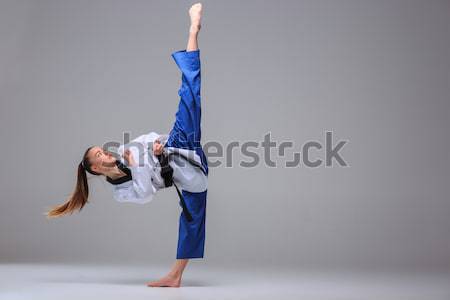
(141, 169)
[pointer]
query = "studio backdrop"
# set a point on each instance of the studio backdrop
(325, 123)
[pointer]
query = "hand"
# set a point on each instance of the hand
(157, 147)
(128, 156)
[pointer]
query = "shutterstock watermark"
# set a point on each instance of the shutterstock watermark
(261, 152)
(250, 154)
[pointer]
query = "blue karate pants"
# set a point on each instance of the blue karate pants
(186, 134)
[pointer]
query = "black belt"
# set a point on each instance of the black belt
(167, 175)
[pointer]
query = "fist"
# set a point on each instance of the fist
(157, 147)
(128, 156)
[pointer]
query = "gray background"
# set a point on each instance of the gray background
(76, 73)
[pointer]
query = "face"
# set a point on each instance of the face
(100, 159)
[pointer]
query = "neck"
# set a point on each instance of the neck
(115, 173)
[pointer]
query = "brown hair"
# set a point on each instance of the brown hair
(80, 195)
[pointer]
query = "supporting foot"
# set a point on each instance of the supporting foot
(166, 281)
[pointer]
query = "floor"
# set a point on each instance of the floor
(53, 281)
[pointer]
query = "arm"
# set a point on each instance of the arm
(140, 189)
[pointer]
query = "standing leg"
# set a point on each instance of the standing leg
(191, 239)
(189, 109)
(191, 234)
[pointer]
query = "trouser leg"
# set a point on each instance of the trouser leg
(186, 131)
(191, 235)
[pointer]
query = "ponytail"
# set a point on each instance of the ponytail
(79, 196)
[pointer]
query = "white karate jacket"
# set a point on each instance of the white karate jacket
(146, 177)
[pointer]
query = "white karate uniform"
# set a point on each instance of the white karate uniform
(146, 177)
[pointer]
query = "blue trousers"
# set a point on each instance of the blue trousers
(186, 134)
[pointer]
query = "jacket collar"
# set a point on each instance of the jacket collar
(122, 179)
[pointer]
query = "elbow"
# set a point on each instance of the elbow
(135, 199)
(145, 195)
(145, 200)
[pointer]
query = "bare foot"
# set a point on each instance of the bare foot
(195, 12)
(166, 281)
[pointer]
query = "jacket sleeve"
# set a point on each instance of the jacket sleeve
(138, 190)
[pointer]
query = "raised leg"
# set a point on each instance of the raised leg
(195, 12)
(186, 131)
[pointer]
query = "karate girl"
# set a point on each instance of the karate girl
(135, 173)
